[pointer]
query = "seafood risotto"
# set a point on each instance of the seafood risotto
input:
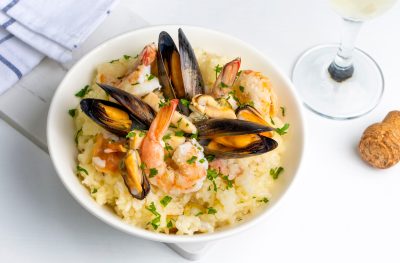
(179, 141)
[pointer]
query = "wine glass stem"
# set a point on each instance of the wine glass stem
(342, 67)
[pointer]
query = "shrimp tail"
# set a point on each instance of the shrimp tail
(161, 123)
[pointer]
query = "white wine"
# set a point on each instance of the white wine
(361, 10)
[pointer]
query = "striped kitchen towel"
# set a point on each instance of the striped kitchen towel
(33, 29)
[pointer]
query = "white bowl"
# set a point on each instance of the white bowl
(60, 129)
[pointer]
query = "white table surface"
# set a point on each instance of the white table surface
(338, 210)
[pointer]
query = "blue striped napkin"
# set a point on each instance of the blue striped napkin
(33, 29)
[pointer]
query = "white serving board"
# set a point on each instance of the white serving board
(25, 105)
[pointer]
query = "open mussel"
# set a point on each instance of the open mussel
(228, 127)
(111, 116)
(250, 113)
(258, 146)
(178, 71)
(192, 78)
(141, 110)
(134, 178)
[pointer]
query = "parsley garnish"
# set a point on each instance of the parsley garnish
(173, 126)
(156, 221)
(80, 169)
(72, 112)
(126, 57)
(283, 129)
(265, 200)
(283, 111)
(169, 224)
(77, 135)
(272, 121)
(241, 88)
(211, 175)
(94, 191)
(223, 85)
(153, 172)
(179, 133)
(202, 160)
(191, 160)
(114, 60)
(211, 211)
(142, 166)
(149, 77)
(165, 200)
(168, 147)
(83, 91)
(142, 133)
(185, 102)
(210, 157)
(131, 134)
(275, 172)
(229, 183)
(238, 74)
(217, 70)
(194, 135)
(166, 137)
(163, 103)
(199, 213)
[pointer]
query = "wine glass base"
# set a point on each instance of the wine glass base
(348, 99)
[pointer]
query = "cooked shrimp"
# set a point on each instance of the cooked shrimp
(254, 88)
(140, 81)
(187, 168)
(225, 80)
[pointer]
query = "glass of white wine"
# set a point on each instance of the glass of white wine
(342, 82)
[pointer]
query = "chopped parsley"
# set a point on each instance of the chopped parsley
(283, 129)
(156, 221)
(265, 200)
(210, 157)
(72, 112)
(81, 170)
(185, 102)
(169, 224)
(229, 183)
(168, 147)
(126, 57)
(241, 88)
(94, 190)
(194, 135)
(211, 175)
(131, 134)
(153, 172)
(142, 166)
(275, 172)
(114, 60)
(283, 111)
(217, 70)
(142, 133)
(149, 77)
(238, 74)
(172, 126)
(211, 211)
(78, 133)
(191, 160)
(272, 121)
(179, 133)
(199, 214)
(166, 137)
(223, 85)
(83, 92)
(163, 103)
(202, 160)
(165, 200)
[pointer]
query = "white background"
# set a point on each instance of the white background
(338, 210)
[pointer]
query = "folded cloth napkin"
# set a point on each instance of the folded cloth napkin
(38, 28)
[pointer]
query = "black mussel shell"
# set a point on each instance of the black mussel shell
(143, 112)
